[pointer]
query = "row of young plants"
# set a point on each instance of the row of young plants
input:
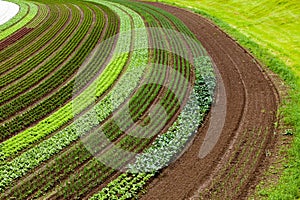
(30, 70)
(16, 105)
(158, 155)
(289, 183)
(78, 184)
(59, 118)
(54, 81)
(50, 174)
(69, 191)
(18, 35)
(165, 147)
(230, 168)
(55, 18)
(55, 144)
(27, 12)
(58, 99)
(42, 14)
(84, 178)
(125, 186)
(54, 63)
(113, 155)
(23, 139)
(237, 171)
(128, 143)
(69, 21)
(139, 104)
(13, 38)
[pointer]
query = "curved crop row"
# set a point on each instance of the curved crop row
(66, 24)
(90, 180)
(75, 172)
(68, 134)
(8, 10)
(128, 143)
(64, 114)
(27, 12)
(53, 82)
(40, 17)
(127, 186)
(15, 37)
(60, 51)
(33, 41)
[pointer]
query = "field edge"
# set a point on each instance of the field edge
(290, 106)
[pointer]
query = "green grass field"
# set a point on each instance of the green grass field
(270, 30)
(274, 24)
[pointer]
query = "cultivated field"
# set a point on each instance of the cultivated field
(125, 100)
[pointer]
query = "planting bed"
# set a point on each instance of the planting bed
(248, 132)
(58, 79)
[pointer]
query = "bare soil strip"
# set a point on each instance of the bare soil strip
(14, 37)
(251, 103)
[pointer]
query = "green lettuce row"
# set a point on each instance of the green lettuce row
(22, 164)
(40, 17)
(25, 84)
(11, 63)
(27, 12)
(166, 146)
(65, 93)
(59, 118)
(34, 61)
(46, 27)
(116, 156)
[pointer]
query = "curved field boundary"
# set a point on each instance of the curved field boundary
(241, 163)
(8, 10)
(250, 113)
(284, 65)
(31, 12)
(86, 174)
(128, 185)
(70, 171)
(88, 169)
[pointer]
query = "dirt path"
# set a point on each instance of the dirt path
(229, 170)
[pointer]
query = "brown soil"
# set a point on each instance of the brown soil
(15, 37)
(232, 167)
